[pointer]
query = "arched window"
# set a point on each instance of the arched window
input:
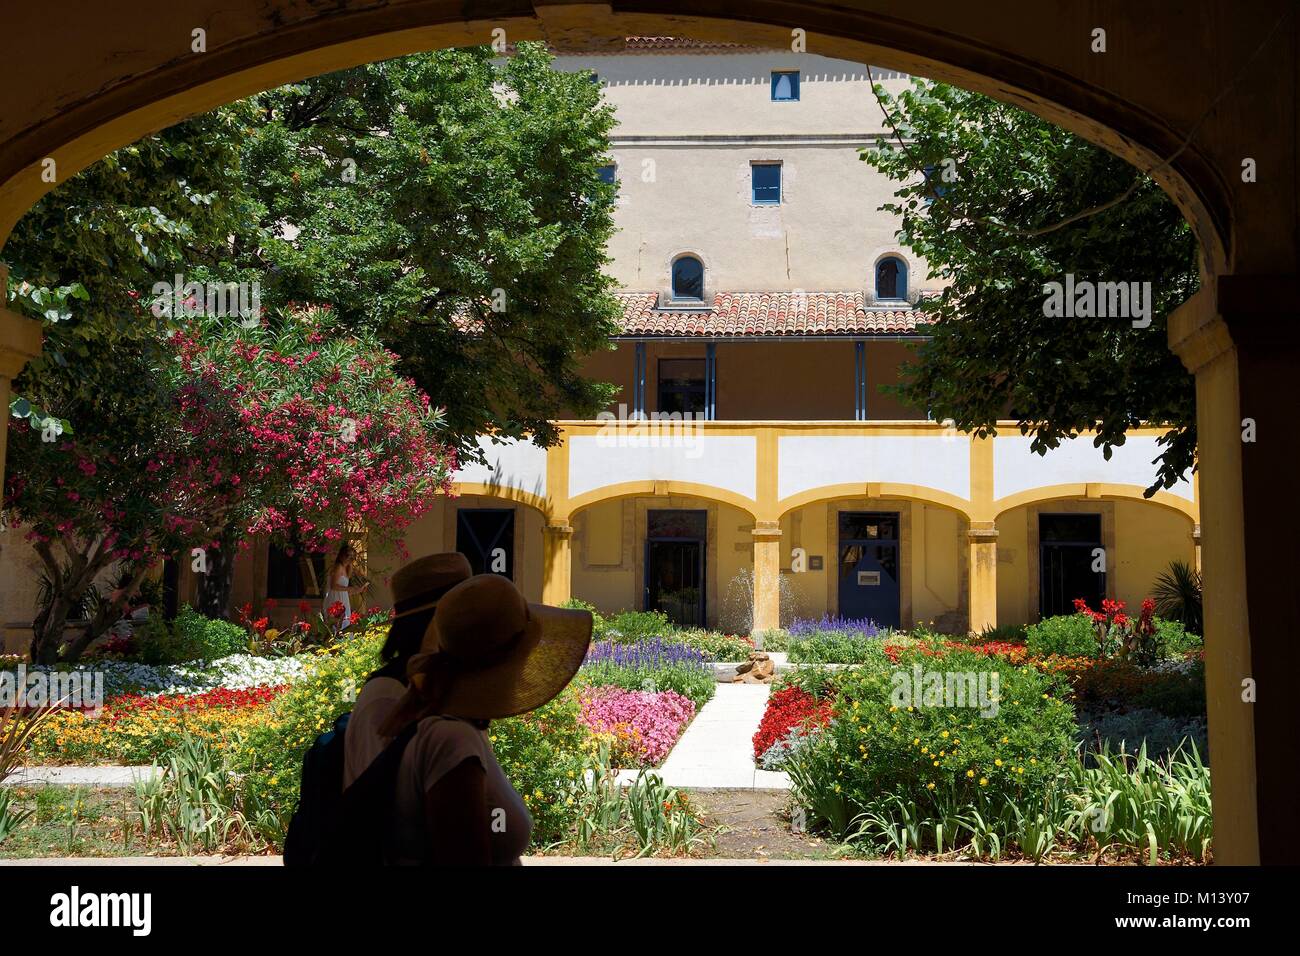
(688, 279)
(891, 278)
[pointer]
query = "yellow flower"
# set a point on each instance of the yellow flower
(929, 786)
(915, 741)
(943, 733)
(970, 773)
(936, 763)
(1006, 740)
(998, 762)
(984, 781)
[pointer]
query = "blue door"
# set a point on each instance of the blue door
(868, 555)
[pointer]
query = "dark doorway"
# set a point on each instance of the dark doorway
(869, 576)
(1067, 545)
(486, 536)
(674, 565)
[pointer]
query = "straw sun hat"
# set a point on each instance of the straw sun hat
(419, 585)
(489, 654)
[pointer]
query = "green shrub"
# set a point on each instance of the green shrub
(933, 756)
(715, 645)
(1068, 635)
(190, 637)
(836, 647)
(629, 627)
(214, 638)
(1174, 640)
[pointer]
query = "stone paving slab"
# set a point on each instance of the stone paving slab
(116, 777)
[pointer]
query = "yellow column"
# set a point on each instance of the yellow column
(767, 576)
(982, 542)
(1199, 336)
(557, 563)
(557, 555)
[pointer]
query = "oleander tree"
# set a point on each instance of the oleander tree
(291, 429)
(1000, 202)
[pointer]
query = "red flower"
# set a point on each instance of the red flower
(336, 610)
(787, 709)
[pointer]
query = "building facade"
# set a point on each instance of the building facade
(754, 467)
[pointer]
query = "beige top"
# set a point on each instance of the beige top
(439, 746)
(362, 742)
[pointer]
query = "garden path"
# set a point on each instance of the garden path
(717, 750)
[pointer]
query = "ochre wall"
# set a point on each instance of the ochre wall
(932, 562)
(608, 554)
(1141, 540)
(786, 380)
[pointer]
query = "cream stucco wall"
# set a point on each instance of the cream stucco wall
(689, 128)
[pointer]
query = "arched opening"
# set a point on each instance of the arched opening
(1147, 112)
(687, 279)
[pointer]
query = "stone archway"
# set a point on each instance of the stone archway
(1190, 110)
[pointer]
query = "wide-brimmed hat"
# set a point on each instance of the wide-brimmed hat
(499, 655)
(418, 586)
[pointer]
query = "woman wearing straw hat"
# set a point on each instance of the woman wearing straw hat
(488, 654)
(417, 588)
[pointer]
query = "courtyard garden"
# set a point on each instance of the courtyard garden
(1082, 739)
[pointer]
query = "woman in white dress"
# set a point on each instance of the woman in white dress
(340, 589)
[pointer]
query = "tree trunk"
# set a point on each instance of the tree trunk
(214, 585)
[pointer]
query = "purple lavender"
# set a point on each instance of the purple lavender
(848, 627)
(653, 653)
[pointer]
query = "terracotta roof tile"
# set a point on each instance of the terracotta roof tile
(767, 314)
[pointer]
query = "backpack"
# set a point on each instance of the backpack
(320, 795)
(333, 826)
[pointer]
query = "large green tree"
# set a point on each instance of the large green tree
(452, 202)
(1000, 203)
(448, 203)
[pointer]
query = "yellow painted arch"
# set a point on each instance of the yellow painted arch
(883, 489)
(1099, 490)
(504, 492)
(650, 489)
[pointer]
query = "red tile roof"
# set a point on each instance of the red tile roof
(767, 314)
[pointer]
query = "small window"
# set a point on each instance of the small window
(688, 279)
(891, 279)
(609, 174)
(765, 178)
(785, 86)
(681, 386)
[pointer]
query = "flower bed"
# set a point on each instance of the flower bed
(641, 726)
(137, 729)
(653, 664)
(236, 672)
(790, 712)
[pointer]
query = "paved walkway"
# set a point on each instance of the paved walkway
(109, 776)
(717, 750)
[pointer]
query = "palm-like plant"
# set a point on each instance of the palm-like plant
(1177, 594)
